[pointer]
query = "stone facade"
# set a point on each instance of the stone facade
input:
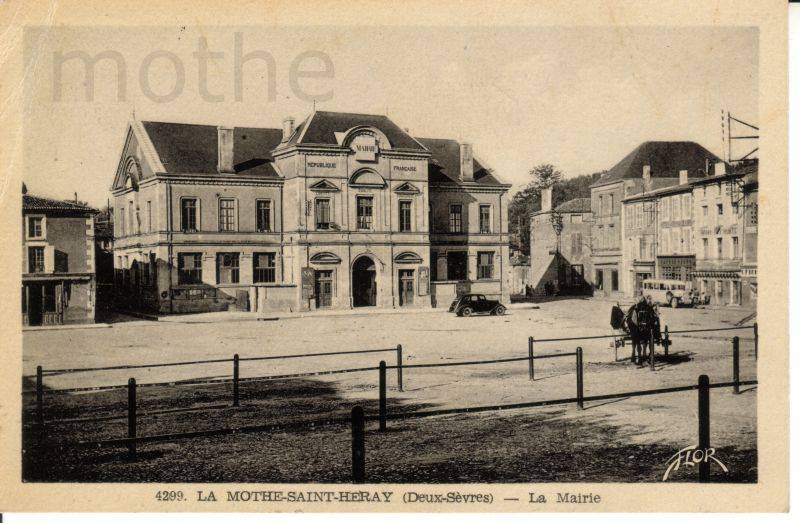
(336, 212)
(561, 263)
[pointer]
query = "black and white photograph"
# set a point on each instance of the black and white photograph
(271, 265)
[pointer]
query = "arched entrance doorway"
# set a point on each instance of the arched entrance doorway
(365, 288)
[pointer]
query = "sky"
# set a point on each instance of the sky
(578, 98)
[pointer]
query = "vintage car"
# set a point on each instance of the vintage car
(469, 304)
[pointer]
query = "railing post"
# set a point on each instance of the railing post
(399, 367)
(666, 341)
(357, 430)
(579, 376)
(39, 402)
(530, 358)
(132, 418)
(755, 338)
(703, 427)
(652, 345)
(235, 380)
(382, 396)
(736, 364)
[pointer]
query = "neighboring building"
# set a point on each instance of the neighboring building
(560, 262)
(344, 210)
(719, 232)
(58, 256)
(750, 236)
(652, 165)
(658, 232)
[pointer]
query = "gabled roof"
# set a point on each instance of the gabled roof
(192, 149)
(576, 205)
(321, 128)
(31, 203)
(445, 163)
(666, 160)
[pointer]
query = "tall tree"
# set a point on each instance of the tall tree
(528, 200)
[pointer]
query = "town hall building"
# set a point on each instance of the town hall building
(343, 210)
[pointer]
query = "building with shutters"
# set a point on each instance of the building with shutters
(343, 210)
(651, 166)
(725, 232)
(561, 246)
(58, 262)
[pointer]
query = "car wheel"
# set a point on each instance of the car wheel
(499, 310)
(674, 303)
(466, 311)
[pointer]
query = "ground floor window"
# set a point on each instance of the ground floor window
(598, 279)
(190, 268)
(456, 265)
(614, 280)
(35, 259)
(264, 267)
(228, 267)
(485, 265)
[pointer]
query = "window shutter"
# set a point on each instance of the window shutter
(49, 259)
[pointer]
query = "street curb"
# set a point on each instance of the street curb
(68, 327)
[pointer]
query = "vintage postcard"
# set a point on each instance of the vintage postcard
(383, 256)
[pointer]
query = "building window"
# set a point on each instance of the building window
(720, 210)
(598, 279)
(456, 265)
(364, 212)
(735, 246)
(735, 208)
(753, 214)
(405, 216)
(455, 217)
(485, 219)
(189, 215)
(35, 259)
(263, 215)
(149, 216)
(131, 219)
(705, 248)
(485, 260)
(122, 222)
(614, 280)
(35, 227)
(227, 214)
(190, 268)
(322, 213)
(228, 267)
(719, 248)
(264, 267)
(705, 212)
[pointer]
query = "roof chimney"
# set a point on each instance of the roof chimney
(225, 149)
(547, 199)
(467, 170)
(648, 182)
(288, 128)
(683, 177)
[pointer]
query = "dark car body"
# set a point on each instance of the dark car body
(469, 304)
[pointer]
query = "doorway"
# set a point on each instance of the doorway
(364, 285)
(323, 288)
(34, 304)
(406, 288)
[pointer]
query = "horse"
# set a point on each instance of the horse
(642, 323)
